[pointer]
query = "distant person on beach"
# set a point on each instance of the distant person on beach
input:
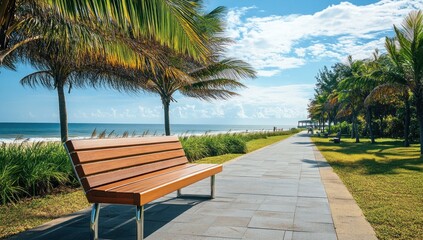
(310, 130)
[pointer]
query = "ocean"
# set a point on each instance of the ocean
(51, 131)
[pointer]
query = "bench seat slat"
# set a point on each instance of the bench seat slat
(85, 144)
(171, 186)
(109, 177)
(119, 163)
(161, 185)
(160, 179)
(125, 182)
(120, 152)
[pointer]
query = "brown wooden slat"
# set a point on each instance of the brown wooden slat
(168, 187)
(84, 144)
(119, 163)
(110, 153)
(154, 192)
(125, 182)
(149, 183)
(109, 177)
(121, 198)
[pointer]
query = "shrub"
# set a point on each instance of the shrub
(197, 147)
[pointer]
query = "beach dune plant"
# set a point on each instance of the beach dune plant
(10, 190)
(30, 169)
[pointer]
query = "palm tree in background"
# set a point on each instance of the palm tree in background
(390, 89)
(406, 51)
(215, 81)
(351, 95)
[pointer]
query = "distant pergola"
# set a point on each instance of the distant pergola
(307, 124)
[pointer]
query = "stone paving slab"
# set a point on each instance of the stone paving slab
(272, 193)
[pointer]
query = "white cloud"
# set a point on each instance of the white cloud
(149, 112)
(255, 104)
(268, 43)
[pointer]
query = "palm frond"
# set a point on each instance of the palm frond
(226, 68)
(209, 94)
(386, 93)
(40, 78)
(170, 22)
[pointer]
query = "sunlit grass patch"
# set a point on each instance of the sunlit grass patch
(386, 180)
(29, 213)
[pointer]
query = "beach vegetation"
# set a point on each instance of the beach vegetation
(31, 169)
(199, 147)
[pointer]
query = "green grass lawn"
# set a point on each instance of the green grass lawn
(30, 213)
(385, 179)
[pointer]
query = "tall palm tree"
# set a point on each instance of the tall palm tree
(390, 88)
(215, 81)
(406, 51)
(351, 94)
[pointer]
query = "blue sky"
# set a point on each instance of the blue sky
(286, 41)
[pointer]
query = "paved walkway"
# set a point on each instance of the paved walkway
(274, 193)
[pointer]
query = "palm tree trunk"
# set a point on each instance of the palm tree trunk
(419, 108)
(381, 125)
(62, 114)
(407, 123)
(166, 104)
(370, 125)
(323, 124)
(357, 139)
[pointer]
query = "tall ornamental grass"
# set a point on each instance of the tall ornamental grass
(30, 169)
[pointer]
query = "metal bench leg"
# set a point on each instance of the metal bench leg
(212, 184)
(178, 193)
(140, 222)
(95, 212)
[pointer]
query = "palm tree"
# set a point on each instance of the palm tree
(390, 88)
(351, 94)
(62, 67)
(215, 81)
(406, 51)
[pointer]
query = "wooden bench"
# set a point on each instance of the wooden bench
(337, 139)
(133, 171)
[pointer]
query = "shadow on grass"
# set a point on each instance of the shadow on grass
(393, 156)
(371, 166)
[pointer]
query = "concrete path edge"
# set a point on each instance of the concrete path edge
(349, 221)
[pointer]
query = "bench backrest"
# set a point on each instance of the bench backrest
(103, 161)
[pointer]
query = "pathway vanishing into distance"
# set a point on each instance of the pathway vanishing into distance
(277, 192)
